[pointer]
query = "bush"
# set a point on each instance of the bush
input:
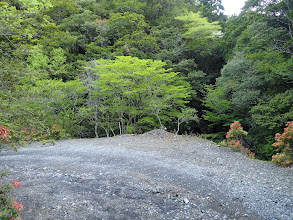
(4, 132)
(284, 145)
(57, 133)
(9, 209)
(235, 138)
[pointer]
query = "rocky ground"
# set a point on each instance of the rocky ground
(156, 175)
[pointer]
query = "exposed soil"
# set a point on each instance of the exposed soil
(156, 175)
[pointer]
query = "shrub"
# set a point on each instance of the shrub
(9, 209)
(57, 133)
(28, 135)
(4, 132)
(249, 153)
(284, 145)
(236, 131)
(235, 137)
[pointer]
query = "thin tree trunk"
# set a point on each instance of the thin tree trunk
(161, 126)
(120, 127)
(96, 130)
(96, 126)
(106, 130)
(112, 131)
(178, 126)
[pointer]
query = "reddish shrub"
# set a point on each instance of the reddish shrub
(284, 144)
(4, 132)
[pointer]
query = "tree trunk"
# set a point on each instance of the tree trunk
(96, 126)
(178, 126)
(120, 127)
(161, 126)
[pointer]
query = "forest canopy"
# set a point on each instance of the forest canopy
(96, 68)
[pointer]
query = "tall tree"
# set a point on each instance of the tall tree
(139, 91)
(19, 24)
(257, 74)
(198, 26)
(212, 9)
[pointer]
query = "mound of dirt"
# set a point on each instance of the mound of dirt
(159, 132)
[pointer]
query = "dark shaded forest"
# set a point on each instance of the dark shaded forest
(99, 68)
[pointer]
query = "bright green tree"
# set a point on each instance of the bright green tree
(139, 91)
(204, 43)
(198, 26)
(46, 105)
(186, 115)
(19, 24)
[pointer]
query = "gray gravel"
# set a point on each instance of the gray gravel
(156, 175)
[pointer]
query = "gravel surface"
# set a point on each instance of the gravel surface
(156, 175)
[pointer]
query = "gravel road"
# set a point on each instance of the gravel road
(156, 175)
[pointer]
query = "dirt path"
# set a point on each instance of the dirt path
(152, 176)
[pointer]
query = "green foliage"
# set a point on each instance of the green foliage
(61, 9)
(233, 69)
(133, 6)
(170, 42)
(133, 90)
(85, 26)
(13, 72)
(199, 27)
(186, 115)
(19, 26)
(220, 109)
(240, 84)
(53, 66)
(257, 37)
(122, 24)
(48, 102)
(270, 114)
(52, 37)
(204, 43)
(212, 9)
(138, 44)
(257, 77)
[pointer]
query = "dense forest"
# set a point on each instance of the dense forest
(97, 68)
